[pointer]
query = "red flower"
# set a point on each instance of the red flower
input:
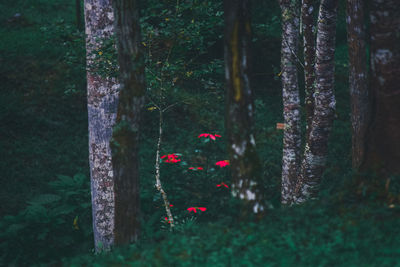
(200, 168)
(171, 158)
(203, 135)
(222, 163)
(194, 209)
(222, 184)
(166, 220)
(211, 136)
(171, 205)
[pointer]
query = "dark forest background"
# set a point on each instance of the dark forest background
(44, 172)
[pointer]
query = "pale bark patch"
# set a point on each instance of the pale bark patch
(383, 56)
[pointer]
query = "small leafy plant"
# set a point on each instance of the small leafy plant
(55, 223)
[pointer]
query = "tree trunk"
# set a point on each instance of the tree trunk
(383, 144)
(307, 17)
(125, 137)
(78, 14)
(357, 79)
(291, 100)
(245, 164)
(315, 153)
(102, 107)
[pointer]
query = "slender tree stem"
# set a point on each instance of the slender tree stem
(359, 93)
(158, 181)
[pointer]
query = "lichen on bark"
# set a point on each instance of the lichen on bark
(307, 18)
(102, 106)
(291, 99)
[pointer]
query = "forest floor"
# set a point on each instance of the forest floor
(44, 173)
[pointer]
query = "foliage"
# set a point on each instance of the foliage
(42, 99)
(177, 41)
(53, 224)
(312, 235)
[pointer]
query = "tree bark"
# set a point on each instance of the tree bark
(245, 164)
(307, 17)
(315, 152)
(383, 144)
(78, 14)
(357, 79)
(125, 137)
(291, 100)
(102, 107)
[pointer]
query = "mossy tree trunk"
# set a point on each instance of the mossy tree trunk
(102, 100)
(245, 164)
(315, 153)
(125, 137)
(291, 99)
(359, 95)
(383, 143)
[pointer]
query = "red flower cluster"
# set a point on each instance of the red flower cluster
(196, 168)
(171, 158)
(222, 184)
(211, 136)
(222, 163)
(194, 209)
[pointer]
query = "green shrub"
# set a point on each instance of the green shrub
(53, 224)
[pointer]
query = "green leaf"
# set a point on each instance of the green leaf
(45, 199)
(14, 228)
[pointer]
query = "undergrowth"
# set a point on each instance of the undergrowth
(45, 188)
(312, 235)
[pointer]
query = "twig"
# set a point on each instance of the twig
(293, 53)
(155, 76)
(170, 106)
(153, 102)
